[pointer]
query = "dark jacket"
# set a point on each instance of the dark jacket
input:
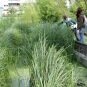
(80, 21)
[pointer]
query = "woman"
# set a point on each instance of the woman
(80, 23)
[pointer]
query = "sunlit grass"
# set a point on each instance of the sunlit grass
(51, 68)
(45, 47)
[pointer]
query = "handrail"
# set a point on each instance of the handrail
(81, 52)
(81, 47)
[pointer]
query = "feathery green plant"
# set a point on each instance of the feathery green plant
(51, 69)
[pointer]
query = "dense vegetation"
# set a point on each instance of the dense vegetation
(33, 46)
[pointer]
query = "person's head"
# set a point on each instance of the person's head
(79, 11)
(64, 17)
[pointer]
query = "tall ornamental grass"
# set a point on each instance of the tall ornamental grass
(23, 27)
(4, 72)
(51, 68)
(21, 47)
(55, 35)
(19, 40)
(12, 38)
(6, 22)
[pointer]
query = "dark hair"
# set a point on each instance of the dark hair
(79, 10)
(64, 17)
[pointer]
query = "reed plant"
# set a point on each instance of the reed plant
(55, 35)
(42, 47)
(4, 72)
(51, 67)
(12, 37)
(16, 46)
(22, 27)
(6, 22)
(24, 45)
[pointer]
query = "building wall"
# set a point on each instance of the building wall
(67, 3)
(5, 3)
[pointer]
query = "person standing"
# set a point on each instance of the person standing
(80, 23)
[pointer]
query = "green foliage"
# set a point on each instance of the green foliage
(30, 14)
(22, 27)
(82, 5)
(20, 40)
(55, 36)
(77, 4)
(48, 10)
(12, 38)
(73, 8)
(48, 45)
(51, 68)
(11, 9)
(18, 49)
(4, 73)
(17, 43)
(6, 23)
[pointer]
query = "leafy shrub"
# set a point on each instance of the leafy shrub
(30, 14)
(46, 10)
(73, 8)
(77, 4)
